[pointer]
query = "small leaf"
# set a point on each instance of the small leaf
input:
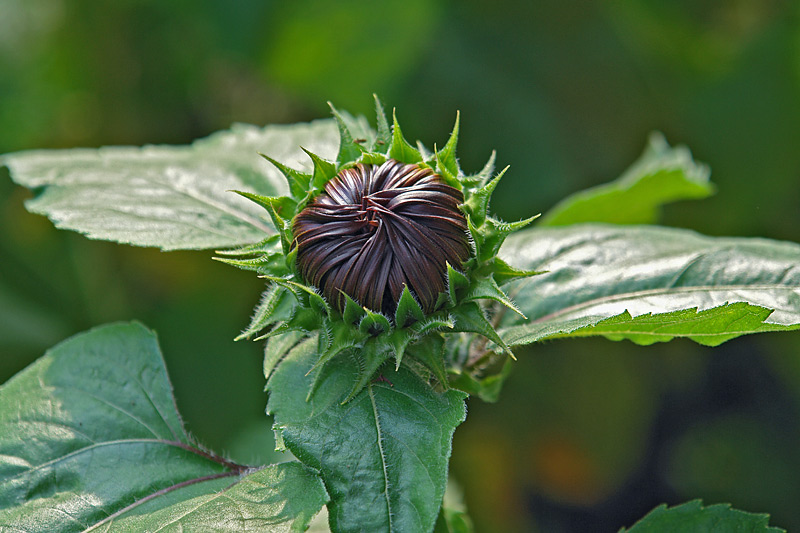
(400, 149)
(281, 210)
(383, 455)
(339, 339)
(433, 323)
(502, 272)
(374, 323)
(353, 313)
(488, 169)
(384, 135)
(692, 517)
(456, 283)
(256, 264)
(349, 150)
(264, 257)
(275, 306)
(399, 340)
(478, 203)
(430, 352)
(368, 360)
(661, 175)
(469, 318)
(323, 172)
(305, 294)
(477, 237)
(299, 182)
(264, 246)
(447, 155)
(487, 289)
(495, 232)
(408, 310)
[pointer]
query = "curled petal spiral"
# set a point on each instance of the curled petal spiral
(378, 228)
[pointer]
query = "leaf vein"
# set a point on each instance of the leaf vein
(382, 455)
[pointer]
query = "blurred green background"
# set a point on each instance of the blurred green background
(588, 435)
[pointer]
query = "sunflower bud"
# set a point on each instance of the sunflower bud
(383, 253)
(379, 228)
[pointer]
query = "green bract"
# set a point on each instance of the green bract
(472, 303)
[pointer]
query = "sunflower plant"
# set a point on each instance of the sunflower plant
(391, 294)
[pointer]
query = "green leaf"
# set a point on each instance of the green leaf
(643, 276)
(353, 312)
(710, 327)
(384, 134)
(692, 517)
(408, 310)
(494, 234)
(470, 318)
(299, 182)
(430, 352)
(349, 148)
(447, 155)
(276, 305)
(323, 171)
(478, 203)
(456, 283)
(383, 455)
(400, 149)
(171, 197)
(282, 497)
(661, 175)
(487, 289)
(90, 436)
(502, 272)
(374, 323)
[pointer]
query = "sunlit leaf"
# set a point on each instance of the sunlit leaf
(637, 274)
(171, 197)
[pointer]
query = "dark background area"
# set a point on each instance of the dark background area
(589, 435)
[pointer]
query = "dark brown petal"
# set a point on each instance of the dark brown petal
(379, 228)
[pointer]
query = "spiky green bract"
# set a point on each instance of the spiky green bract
(432, 344)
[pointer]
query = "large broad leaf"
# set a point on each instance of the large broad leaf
(90, 437)
(172, 197)
(383, 455)
(692, 517)
(650, 284)
(661, 175)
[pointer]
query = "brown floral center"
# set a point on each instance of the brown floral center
(378, 228)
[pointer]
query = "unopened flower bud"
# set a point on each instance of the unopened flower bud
(378, 228)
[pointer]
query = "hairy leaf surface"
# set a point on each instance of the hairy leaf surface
(171, 197)
(383, 455)
(653, 283)
(661, 175)
(90, 436)
(282, 497)
(692, 517)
